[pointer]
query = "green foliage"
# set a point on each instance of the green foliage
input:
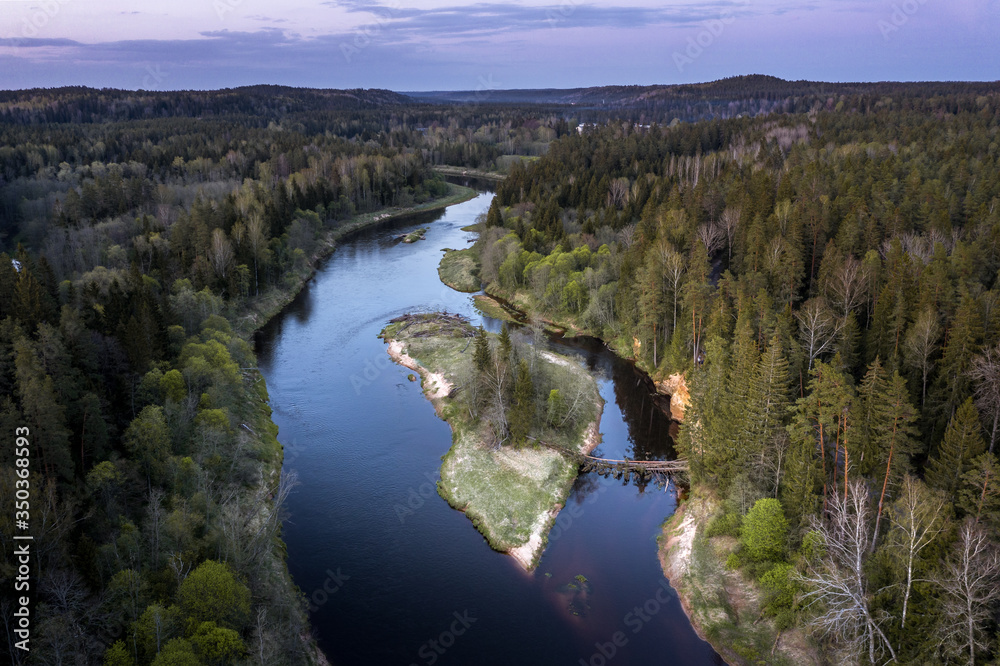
(764, 531)
(962, 442)
(724, 524)
(211, 593)
(218, 646)
(118, 655)
(148, 440)
(522, 414)
(781, 588)
(155, 627)
(482, 356)
(178, 652)
(555, 408)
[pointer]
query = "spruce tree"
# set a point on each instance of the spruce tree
(482, 357)
(494, 218)
(980, 492)
(867, 415)
(962, 442)
(523, 411)
(506, 346)
(769, 400)
(963, 339)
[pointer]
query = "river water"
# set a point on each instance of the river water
(392, 573)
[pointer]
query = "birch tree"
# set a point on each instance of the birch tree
(838, 587)
(969, 581)
(918, 516)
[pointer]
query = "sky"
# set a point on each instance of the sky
(438, 45)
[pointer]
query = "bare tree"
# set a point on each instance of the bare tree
(221, 253)
(626, 236)
(837, 584)
(770, 467)
(846, 286)
(970, 583)
(985, 372)
(154, 523)
(711, 236)
(618, 192)
(917, 518)
(818, 328)
(672, 263)
(730, 224)
(253, 235)
(920, 344)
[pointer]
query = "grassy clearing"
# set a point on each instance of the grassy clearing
(447, 170)
(459, 269)
(511, 494)
(724, 605)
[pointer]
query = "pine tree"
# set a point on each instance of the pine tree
(893, 438)
(819, 419)
(962, 442)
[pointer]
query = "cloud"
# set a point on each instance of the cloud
(267, 19)
(496, 18)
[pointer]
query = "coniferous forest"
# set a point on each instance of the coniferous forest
(820, 262)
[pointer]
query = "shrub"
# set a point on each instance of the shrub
(726, 524)
(764, 531)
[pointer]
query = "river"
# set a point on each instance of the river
(392, 573)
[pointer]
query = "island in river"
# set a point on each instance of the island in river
(512, 492)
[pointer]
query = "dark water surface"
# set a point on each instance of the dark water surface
(396, 576)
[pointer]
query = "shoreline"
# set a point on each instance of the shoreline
(724, 606)
(271, 304)
(257, 313)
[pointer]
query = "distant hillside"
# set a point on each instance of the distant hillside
(88, 105)
(747, 95)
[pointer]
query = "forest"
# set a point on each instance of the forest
(822, 269)
(142, 240)
(827, 283)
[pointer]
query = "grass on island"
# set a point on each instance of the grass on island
(415, 235)
(459, 269)
(508, 491)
